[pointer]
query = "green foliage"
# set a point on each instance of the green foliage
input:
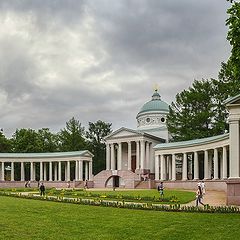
(71, 138)
(5, 144)
(25, 141)
(95, 136)
(193, 113)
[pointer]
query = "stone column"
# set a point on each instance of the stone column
(50, 171)
(170, 168)
(107, 156)
(215, 163)
(206, 165)
(55, 171)
(151, 166)
(147, 155)
(173, 167)
(59, 171)
(184, 167)
(196, 166)
(22, 172)
(162, 162)
(12, 171)
(45, 171)
(137, 154)
(234, 162)
(86, 171)
(112, 157)
(68, 171)
(142, 143)
(80, 170)
(157, 167)
(119, 163)
(3, 172)
(65, 171)
(224, 162)
(31, 171)
(129, 156)
(34, 171)
(41, 171)
(90, 171)
(76, 170)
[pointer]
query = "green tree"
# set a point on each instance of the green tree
(5, 144)
(72, 138)
(47, 141)
(25, 141)
(229, 75)
(192, 114)
(95, 135)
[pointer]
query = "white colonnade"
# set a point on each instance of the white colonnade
(48, 167)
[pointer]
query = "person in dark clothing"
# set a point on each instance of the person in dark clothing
(42, 190)
(160, 189)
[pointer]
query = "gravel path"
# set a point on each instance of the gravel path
(212, 198)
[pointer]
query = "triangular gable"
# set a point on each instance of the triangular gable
(123, 132)
(233, 100)
(87, 154)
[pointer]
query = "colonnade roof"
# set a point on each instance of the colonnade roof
(84, 153)
(191, 143)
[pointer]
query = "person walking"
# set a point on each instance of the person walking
(203, 188)
(160, 190)
(199, 196)
(42, 190)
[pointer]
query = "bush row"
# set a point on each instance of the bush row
(129, 205)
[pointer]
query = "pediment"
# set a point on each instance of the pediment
(233, 100)
(123, 132)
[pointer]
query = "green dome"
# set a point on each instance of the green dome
(156, 104)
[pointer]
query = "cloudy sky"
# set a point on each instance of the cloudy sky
(100, 59)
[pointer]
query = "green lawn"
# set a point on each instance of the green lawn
(33, 219)
(139, 195)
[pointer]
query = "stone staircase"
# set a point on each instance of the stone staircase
(142, 184)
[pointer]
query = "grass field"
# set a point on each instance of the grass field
(33, 219)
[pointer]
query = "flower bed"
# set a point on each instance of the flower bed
(125, 204)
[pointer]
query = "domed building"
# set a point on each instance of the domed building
(129, 152)
(152, 117)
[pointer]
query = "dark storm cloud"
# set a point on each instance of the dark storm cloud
(100, 59)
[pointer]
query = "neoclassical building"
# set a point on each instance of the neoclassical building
(130, 152)
(144, 153)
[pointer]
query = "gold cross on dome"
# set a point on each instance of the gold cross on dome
(156, 87)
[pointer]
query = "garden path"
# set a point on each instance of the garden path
(212, 198)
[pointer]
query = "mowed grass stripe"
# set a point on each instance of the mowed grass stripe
(33, 219)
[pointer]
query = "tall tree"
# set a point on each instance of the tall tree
(47, 141)
(95, 135)
(25, 140)
(5, 144)
(192, 114)
(71, 138)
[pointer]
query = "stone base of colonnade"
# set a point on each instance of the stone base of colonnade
(48, 184)
(213, 185)
(105, 179)
(233, 192)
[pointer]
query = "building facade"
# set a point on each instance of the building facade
(134, 156)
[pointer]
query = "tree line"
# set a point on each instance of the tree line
(73, 137)
(199, 111)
